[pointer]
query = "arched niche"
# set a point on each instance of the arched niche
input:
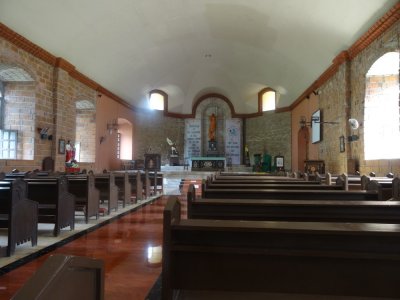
(221, 109)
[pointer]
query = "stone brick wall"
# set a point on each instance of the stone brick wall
(271, 131)
(342, 97)
(332, 102)
(152, 130)
(48, 102)
(42, 73)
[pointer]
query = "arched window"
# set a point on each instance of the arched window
(381, 109)
(17, 113)
(157, 100)
(267, 97)
(85, 144)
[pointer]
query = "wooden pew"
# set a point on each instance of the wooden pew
(311, 258)
(135, 182)
(273, 185)
(245, 178)
(139, 186)
(279, 193)
(56, 204)
(263, 181)
(145, 184)
(156, 183)
(396, 188)
(353, 181)
(124, 187)
(65, 277)
(18, 214)
(293, 210)
(87, 196)
(105, 183)
(383, 184)
(251, 174)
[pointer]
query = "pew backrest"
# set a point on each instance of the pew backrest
(280, 257)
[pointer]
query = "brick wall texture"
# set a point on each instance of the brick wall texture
(50, 100)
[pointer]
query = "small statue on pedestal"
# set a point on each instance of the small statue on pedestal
(174, 151)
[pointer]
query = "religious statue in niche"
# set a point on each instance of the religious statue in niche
(70, 161)
(212, 127)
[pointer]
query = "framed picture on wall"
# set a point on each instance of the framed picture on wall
(316, 128)
(61, 146)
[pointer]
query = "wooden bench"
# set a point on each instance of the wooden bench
(293, 210)
(124, 187)
(273, 185)
(18, 214)
(354, 181)
(87, 196)
(311, 258)
(252, 174)
(105, 183)
(246, 178)
(156, 183)
(56, 204)
(383, 184)
(136, 185)
(144, 176)
(278, 193)
(65, 277)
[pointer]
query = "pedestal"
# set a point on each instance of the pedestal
(174, 160)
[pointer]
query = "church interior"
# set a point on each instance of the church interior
(121, 123)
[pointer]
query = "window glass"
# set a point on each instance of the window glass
(381, 113)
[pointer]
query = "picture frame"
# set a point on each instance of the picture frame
(279, 163)
(61, 146)
(316, 126)
(342, 146)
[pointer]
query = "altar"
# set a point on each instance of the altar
(208, 163)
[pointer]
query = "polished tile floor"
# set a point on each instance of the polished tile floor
(125, 245)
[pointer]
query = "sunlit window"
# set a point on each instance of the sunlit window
(268, 100)
(156, 101)
(381, 113)
(8, 144)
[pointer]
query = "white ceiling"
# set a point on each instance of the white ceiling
(188, 48)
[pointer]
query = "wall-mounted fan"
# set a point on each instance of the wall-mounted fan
(353, 124)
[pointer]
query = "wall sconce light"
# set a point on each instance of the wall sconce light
(112, 126)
